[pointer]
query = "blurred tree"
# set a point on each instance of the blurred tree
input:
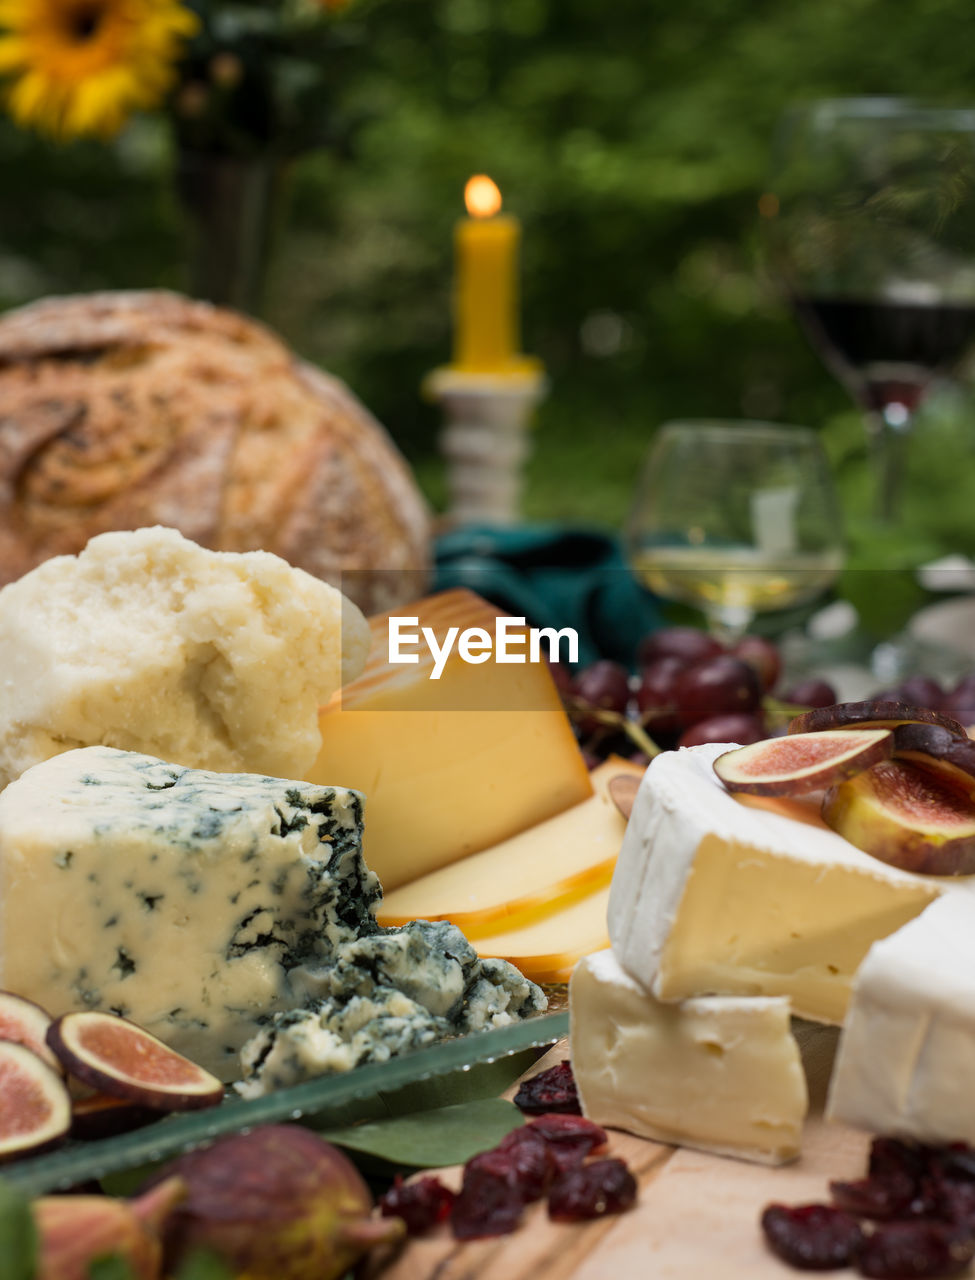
(631, 138)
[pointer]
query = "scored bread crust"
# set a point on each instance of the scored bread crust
(119, 410)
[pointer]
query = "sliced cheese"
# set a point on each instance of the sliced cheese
(548, 949)
(530, 875)
(448, 766)
(714, 897)
(907, 1053)
(720, 1073)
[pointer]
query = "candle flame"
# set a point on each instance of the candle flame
(482, 197)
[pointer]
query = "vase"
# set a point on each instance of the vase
(232, 205)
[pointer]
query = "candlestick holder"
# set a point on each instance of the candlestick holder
(485, 439)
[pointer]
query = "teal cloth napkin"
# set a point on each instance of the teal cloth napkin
(553, 576)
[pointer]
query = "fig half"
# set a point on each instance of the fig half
(905, 816)
(791, 766)
(102, 1116)
(875, 713)
(948, 757)
(26, 1023)
(119, 1058)
(35, 1109)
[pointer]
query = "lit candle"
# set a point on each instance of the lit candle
(486, 336)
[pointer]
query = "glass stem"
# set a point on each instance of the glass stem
(729, 622)
(888, 429)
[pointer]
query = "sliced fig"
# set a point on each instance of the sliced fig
(791, 766)
(929, 746)
(35, 1110)
(119, 1058)
(875, 713)
(26, 1023)
(102, 1116)
(905, 816)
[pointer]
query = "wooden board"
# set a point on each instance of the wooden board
(696, 1218)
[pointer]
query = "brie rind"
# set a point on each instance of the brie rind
(907, 1053)
(711, 897)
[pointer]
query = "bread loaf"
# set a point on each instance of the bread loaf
(120, 410)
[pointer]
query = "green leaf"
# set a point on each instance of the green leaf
(483, 1080)
(18, 1234)
(446, 1135)
(203, 1265)
(113, 1268)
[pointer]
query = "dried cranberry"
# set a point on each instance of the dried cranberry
(531, 1162)
(570, 1138)
(490, 1201)
(916, 1250)
(956, 1202)
(812, 1237)
(421, 1204)
(956, 1162)
(882, 1198)
(890, 1157)
(591, 1190)
(551, 1090)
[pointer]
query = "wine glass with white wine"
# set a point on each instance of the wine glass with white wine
(736, 518)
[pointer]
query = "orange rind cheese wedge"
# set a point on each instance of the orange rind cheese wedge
(529, 876)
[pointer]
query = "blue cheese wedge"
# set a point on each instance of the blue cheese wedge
(713, 897)
(382, 995)
(178, 898)
(720, 1073)
(907, 1052)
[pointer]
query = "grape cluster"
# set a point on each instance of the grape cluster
(689, 689)
(924, 691)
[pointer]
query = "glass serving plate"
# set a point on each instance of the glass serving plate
(319, 1102)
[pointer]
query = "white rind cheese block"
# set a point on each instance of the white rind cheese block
(718, 1073)
(181, 899)
(711, 896)
(906, 1060)
(147, 642)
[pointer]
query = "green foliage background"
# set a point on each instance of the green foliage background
(632, 138)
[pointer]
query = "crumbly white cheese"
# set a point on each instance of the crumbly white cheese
(720, 1073)
(147, 642)
(179, 898)
(382, 995)
(906, 1060)
(711, 897)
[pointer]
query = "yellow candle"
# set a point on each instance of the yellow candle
(486, 336)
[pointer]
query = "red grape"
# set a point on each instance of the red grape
(811, 693)
(960, 703)
(741, 729)
(686, 643)
(605, 685)
(921, 691)
(763, 656)
(718, 686)
(655, 695)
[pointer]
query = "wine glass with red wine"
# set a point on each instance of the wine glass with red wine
(871, 226)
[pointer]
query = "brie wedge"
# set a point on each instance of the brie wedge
(718, 1073)
(907, 1053)
(712, 896)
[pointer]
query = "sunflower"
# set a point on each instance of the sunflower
(83, 66)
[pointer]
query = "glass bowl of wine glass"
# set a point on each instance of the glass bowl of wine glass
(735, 518)
(870, 227)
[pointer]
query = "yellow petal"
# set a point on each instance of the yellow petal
(13, 54)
